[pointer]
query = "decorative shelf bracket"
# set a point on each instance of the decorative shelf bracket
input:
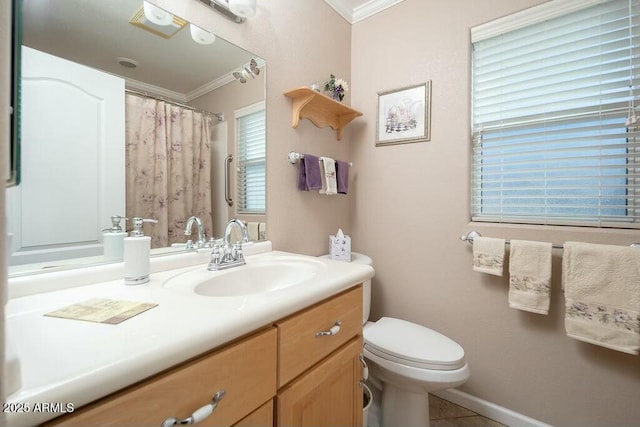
(321, 110)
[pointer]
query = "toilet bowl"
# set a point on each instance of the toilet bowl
(407, 361)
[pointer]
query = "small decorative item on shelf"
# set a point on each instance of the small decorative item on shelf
(336, 88)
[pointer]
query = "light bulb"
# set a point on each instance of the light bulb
(243, 8)
(156, 15)
(201, 36)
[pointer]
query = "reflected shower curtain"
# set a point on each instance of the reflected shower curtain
(168, 173)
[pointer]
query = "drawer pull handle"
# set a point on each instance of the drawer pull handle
(333, 331)
(199, 414)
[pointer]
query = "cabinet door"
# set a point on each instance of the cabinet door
(261, 417)
(330, 394)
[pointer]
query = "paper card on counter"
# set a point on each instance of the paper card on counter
(101, 310)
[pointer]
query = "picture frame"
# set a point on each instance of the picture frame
(404, 115)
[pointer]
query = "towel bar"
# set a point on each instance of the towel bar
(473, 234)
(295, 156)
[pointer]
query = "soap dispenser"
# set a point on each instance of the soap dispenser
(113, 240)
(137, 253)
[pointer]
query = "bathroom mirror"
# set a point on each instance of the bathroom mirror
(170, 66)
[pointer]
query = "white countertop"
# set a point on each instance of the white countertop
(71, 361)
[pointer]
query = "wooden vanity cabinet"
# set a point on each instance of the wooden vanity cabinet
(246, 370)
(284, 375)
(320, 375)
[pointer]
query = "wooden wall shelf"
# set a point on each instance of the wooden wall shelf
(320, 109)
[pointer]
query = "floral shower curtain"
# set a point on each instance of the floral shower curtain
(168, 173)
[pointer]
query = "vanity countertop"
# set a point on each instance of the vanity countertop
(66, 361)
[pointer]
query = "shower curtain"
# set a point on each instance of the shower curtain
(168, 173)
(219, 152)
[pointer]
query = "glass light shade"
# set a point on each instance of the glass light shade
(156, 15)
(201, 36)
(244, 8)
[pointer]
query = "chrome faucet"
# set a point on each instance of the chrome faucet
(188, 229)
(229, 255)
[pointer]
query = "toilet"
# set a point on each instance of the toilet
(407, 361)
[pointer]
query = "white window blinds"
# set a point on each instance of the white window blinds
(555, 137)
(251, 155)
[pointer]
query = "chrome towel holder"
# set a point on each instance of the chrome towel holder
(473, 234)
(294, 156)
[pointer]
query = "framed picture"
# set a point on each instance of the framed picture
(404, 115)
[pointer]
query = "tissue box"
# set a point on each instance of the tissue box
(340, 247)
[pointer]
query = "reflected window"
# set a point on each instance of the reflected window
(251, 159)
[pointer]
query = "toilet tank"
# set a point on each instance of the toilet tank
(366, 286)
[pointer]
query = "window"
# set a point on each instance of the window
(251, 159)
(555, 134)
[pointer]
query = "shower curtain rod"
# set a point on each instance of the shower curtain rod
(219, 116)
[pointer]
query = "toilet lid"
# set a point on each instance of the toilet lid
(413, 345)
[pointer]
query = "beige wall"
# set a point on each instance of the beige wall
(411, 202)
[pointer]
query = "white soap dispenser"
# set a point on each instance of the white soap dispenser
(137, 253)
(113, 240)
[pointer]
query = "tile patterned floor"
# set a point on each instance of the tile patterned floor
(446, 414)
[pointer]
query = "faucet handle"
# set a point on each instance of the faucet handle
(237, 251)
(215, 249)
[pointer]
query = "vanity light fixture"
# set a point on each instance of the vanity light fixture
(142, 20)
(250, 70)
(244, 8)
(201, 36)
(224, 7)
(156, 15)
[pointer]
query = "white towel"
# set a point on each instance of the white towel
(488, 255)
(602, 291)
(252, 230)
(530, 276)
(328, 168)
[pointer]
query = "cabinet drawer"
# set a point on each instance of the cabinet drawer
(246, 370)
(298, 345)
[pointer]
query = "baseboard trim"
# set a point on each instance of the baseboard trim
(488, 409)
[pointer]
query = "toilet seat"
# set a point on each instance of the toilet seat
(413, 345)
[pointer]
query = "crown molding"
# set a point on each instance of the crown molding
(186, 97)
(358, 13)
(219, 82)
(371, 8)
(342, 9)
(156, 90)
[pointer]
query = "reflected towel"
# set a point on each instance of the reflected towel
(488, 255)
(602, 292)
(309, 176)
(329, 185)
(252, 231)
(530, 276)
(262, 231)
(342, 176)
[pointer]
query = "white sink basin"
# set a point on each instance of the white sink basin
(256, 277)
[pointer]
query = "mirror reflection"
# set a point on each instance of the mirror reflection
(131, 113)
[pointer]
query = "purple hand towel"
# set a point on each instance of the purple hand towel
(342, 172)
(302, 176)
(309, 177)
